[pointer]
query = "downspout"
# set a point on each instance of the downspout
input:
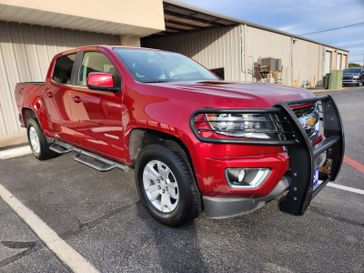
(318, 65)
(243, 57)
(291, 47)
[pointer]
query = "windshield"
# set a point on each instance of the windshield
(352, 70)
(148, 66)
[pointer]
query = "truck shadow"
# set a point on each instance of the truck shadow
(178, 248)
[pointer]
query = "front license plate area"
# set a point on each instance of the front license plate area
(316, 181)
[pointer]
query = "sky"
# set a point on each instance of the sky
(299, 17)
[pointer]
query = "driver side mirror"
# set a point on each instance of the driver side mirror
(101, 81)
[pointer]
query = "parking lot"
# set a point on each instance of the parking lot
(100, 216)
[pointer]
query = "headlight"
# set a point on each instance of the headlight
(260, 126)
(356, 77)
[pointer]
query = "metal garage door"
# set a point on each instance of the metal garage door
(328, 58)
(25, 53)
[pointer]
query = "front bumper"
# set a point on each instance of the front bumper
(351, 81)
(219, 207)
(297, 167)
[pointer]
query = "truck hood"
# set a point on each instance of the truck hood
(240, 94)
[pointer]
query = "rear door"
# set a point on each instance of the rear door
(58, 100)
(99, 112)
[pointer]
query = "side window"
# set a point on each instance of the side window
(96, 62)
(63, 69)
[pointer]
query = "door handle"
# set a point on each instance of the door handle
(77, 99)
(50, 94)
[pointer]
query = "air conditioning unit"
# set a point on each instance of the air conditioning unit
(272, 63)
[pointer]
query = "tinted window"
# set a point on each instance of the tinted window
(95, 62)
(352, 70)
(219, 72)
(162, 66)
(63, 69)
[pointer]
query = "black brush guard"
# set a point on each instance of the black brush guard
(301, 152)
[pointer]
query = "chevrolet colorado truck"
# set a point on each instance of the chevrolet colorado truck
(197, 143)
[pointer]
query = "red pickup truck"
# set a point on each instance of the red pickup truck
(197, 143)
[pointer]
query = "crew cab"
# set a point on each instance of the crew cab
(197, 143)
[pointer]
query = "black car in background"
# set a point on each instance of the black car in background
(353, 76)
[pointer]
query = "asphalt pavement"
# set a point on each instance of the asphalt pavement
(101, 217)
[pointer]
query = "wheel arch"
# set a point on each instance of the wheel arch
(28, 113)
(140, 137)
(37, 114)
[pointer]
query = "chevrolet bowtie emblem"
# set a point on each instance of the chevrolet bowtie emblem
(311, 121)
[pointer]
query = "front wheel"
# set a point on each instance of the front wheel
(166, 185)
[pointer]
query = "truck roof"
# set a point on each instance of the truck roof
(110, 47)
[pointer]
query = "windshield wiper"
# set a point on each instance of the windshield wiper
(156, 81)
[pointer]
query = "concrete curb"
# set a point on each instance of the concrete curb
(328, 90)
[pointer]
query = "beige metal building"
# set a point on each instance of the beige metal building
(32, 32)
(235, 48)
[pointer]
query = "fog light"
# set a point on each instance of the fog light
(246, 177)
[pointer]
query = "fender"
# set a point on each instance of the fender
(37, 106)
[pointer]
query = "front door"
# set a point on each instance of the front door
(99, 112)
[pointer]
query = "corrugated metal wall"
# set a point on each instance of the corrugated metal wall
(25, 53)
(213, 48)
(307, 62)
(234, 48)
(263, 44)
(238, 48)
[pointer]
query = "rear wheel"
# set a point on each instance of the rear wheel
(37, 141)
(166, 185)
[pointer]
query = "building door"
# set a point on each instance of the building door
(338, 60)
(344, 62)
(327, 66)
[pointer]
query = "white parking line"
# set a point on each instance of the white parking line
(69, 256)
(345, 188)
(15, 152)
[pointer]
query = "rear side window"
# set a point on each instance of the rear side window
(63, 69)
(95, 62)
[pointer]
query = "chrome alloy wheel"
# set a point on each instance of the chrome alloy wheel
(160, 185)
(34, 140)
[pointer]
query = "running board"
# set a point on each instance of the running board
(60, 148)
(97, 162)
(92, 160)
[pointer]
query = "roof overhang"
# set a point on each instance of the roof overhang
(137, 17)
(182, 18)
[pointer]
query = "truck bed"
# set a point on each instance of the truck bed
(27, 92)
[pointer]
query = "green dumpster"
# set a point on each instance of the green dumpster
(326, 80)
(336, 79)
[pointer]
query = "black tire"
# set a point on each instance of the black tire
(189, 203)
(43, 152)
